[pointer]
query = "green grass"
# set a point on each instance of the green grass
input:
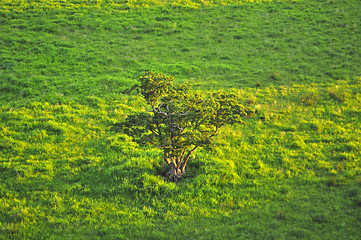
(293, 172)
(79, 52)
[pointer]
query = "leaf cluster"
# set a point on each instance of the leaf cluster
(180, 118)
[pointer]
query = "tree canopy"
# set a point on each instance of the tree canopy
(180, 120)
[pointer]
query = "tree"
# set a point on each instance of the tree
(180, 121)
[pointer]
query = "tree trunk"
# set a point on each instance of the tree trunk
(177, 165)
(175, 172)
(186, 158)
(166, 157)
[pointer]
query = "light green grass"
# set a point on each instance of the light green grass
(293, 172)
(45, 5)
(296, 167)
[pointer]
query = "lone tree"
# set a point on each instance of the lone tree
(180, 121)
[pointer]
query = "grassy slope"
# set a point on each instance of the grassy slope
(293, 172)
(245, 45)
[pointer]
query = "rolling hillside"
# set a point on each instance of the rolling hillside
(293, 172)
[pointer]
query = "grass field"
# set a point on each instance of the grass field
(293, 172)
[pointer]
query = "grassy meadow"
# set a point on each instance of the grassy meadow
(293, 172)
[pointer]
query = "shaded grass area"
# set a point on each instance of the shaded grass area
(293, 172)
(72, 53)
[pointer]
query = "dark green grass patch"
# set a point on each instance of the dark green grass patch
(78, 52)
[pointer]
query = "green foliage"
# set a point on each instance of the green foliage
(156, 86)
(180, 121)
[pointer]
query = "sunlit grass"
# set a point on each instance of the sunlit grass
(63, 160)
(43, 5)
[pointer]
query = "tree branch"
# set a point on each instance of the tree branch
(215, 132)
